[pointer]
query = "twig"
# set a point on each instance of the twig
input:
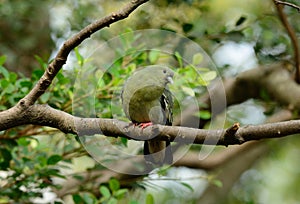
(288, 4)
(291, 33)
(230, 135)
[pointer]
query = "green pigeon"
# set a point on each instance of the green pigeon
(146, 100)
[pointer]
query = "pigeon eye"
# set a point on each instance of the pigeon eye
(164, 71)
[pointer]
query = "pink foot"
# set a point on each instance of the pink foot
(144, 125)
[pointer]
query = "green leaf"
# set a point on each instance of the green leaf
(4, 83)
(134, 202)
(5, 157)
(45, 97)
(2, 59)
(153, 56)
(79, 57)
(53, 172)
(149, 199)
(205, 114)
(179, 59)
(42, 160)
(3, 107)
(54, 159)
(217, 183)
(114, 184)
(130, 68)
(127, 39)
(124, 141)
(37, 74)
(23, 142)
(13, 77)
(89, 198)
(77, 198)
(120, 193)
(62, 79)
(112, 201)
(187, 186)
(208, 76)
(4, 72)
(189, 91)
(10, 89)
(105, 191)
(42, 63)
(201, 82)
(197, 58)
(24, 83)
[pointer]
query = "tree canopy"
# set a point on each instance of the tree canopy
(65, 138)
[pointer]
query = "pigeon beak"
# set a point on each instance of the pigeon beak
(170, 80)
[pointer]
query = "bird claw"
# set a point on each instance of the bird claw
(144, 125)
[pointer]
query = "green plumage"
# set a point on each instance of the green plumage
(145, 98)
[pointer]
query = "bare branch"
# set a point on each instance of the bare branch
(291, 33)
(47, 116)
(69, 45)
(288, 4)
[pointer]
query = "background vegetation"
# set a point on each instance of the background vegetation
(41, 164)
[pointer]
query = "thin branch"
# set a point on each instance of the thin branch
(69, 45)
(291, 33)
(288, 4)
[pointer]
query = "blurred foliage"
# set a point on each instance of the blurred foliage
(32, 158)
(22, 36)
(30, 166)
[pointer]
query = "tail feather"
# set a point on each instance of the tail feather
(158, 152)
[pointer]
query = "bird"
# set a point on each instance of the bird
(146, 100)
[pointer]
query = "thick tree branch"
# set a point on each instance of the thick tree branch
(279, 5)
(69, 45)
(47, 116)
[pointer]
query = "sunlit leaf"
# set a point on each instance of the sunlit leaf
(208, 76)
(105, 191)
(204, 114)
(120, 193)
(89, 198)
(197, 58)
(153, 56)
(217, 183)
(114, 184)
(79, 57)
(4, 72)
(2, 60)
(149, 199)
(189, 91)
(179, 59)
